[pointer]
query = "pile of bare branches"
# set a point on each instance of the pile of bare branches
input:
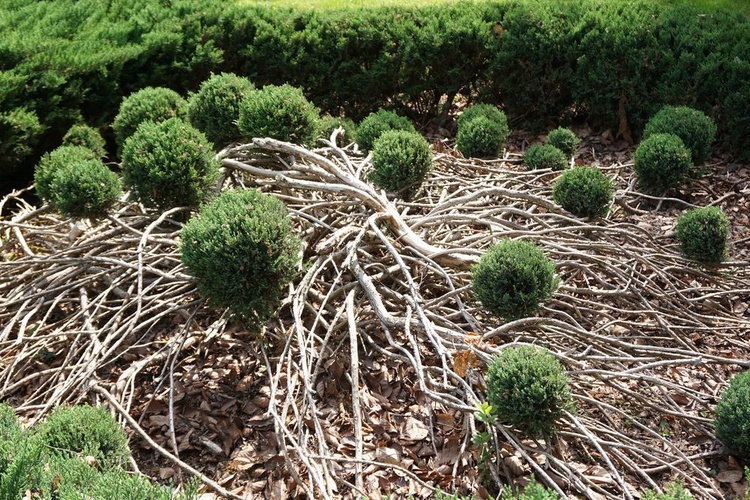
(648, 337)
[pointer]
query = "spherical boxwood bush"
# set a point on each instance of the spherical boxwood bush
(661, 162)
(563, 139)
(50, 162)
(528, 389)
(215, 108)
(480, 138)
(733, 415)
(488, 111)
(243, 252)
(155, 104)
(584, 191)
(513, 277)
(279, 112)
(704, 234)
(169, 164)
(328, 124)
(401, 160)
(86, 188)
(696, 130)
(88, 137)
(375, 124)
(85, 430)
(544, 156)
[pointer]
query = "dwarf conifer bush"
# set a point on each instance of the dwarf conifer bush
(704, 234)
(215, 108)
(696, 130)
(480, 137)
(86, 136)
(10, 432)
(155, 104)
(169, 164)
(528, 389)
(563, 139)
(492, 113)
(661, 162)
(541, 156)
(733, 415)
(51, 162)
(279, 112)
(513, 277)
(583, 191)
(328, 124)
(401, 160)
(85, 189)
(243, 252)
(375, 124)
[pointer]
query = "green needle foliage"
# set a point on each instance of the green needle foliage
(696, 130)
(733, 415)
(541, 156)
(155, 104)
(584, 191)
(528, 389)
(401, 160)
(375, 124)
(492, 113)
(279, 112)
(215, 108)
(480, 137)
(51, 162)
(329, 123)
(86, 136)
(704, 234)
(563, 139)
(243, 252)
(84, 189)
(513, 277)
(661, 163)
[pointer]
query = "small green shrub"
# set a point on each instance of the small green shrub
(661, 162)
(480, 138)
(696, 130)
(492, 113)
(733, 417)
(541, 156)
(20, 131)
(243, 252)
(328, 124)
(10, 434)
(513, 277)
(155, 104)
(584, 191)
(672, 491)
(86, 136)
(401, 160)
(169, 164)
(215, 108)
(534, 491)
(85, 430)
(528, 389)
(85, 189)
(279, 112)
(375, 124)
(704, 234)
(563, 139)
(51, 162)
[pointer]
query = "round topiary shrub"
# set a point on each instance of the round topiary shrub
(328, 124)
(488, 111)
(84, 189)
(279, 112)
(541, 156)
(215, 108)
(528, 389)
(661, 162)
(155, 104)
(704, 234)
(563, 139)
(169, 164)
(513, 277)
(584, 191)
(400, 161)
(50, 162)
(480, 138)
(85, 430)
(733, 417)
(88, 137)
(243, 252)
(375, 124)
(696, 130)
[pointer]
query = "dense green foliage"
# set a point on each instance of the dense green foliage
(149, 104)
(480, 138)
(86, 136)
(328, 124)
(696, 130)
(533, 491)
(544, 156)
(279, 112)
(661, 162)
(84, 189)
(51, 162)
(513, 277)
(400, 160)
(215, 108)
(169, 164)
(377, 123)
(20, 130)
(563, 139)
(528, 389)
(704, 234)
(733, 415)
(488, 111)
(672, 491)
(584, 191)
(243, 252)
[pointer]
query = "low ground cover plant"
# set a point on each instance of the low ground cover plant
(401, 160)
(151, 104)
(279, 112)
(375, 124)
(661, 162)
(704, 234)
(696, 130)
(541, 156)
(584, 191)
(563, 139)
(215, 108)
